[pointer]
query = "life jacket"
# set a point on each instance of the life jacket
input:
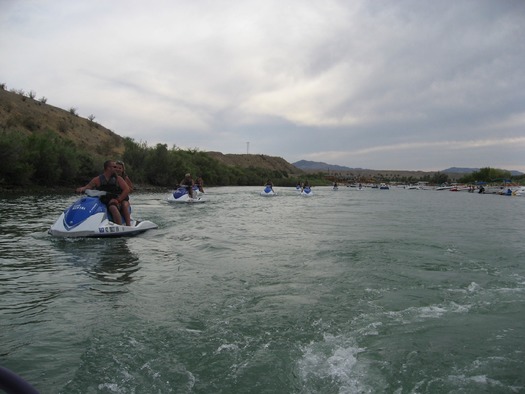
(187, 183)
(110, 186)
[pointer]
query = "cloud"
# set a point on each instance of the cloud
(299, 79)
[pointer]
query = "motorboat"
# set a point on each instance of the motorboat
(307, 191)
(519, 192)
(181, 195)
(268, 192)
(89, 217)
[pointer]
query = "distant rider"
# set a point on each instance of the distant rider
(200, 184)
(187, 182)
(269, 184)
(306, 185)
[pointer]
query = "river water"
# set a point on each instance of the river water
(398, 291)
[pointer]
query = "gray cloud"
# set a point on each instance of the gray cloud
(401, 85)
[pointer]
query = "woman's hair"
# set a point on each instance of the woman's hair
(121, 163)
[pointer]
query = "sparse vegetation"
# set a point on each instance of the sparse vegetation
(44, 146)
(63, 126)
(30, 123)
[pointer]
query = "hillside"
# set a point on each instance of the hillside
(320, 166)
(26, 115)
(454, 173)
(259, 161)
(314, 166)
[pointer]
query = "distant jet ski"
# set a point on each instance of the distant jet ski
(181, 196)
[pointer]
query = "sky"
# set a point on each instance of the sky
(378, 84)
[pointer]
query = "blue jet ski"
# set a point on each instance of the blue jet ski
(88, 217)
(307, 191)
(181, 196)
(268, 192)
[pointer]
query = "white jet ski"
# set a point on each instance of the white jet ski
(268, 192)
(88, 217)
(181, 196)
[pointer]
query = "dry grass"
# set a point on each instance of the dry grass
(25, 115)
(259, 161)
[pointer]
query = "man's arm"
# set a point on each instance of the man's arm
(92, 183)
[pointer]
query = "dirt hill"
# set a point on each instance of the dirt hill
(21, 113)
(260, 161)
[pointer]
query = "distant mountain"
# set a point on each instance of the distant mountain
(306, 165)
(461, 170)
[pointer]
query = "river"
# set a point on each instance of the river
(398, 291)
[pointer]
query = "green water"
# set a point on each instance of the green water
(398, 291)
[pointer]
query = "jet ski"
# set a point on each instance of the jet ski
(89, 217)
(307, 192)
(268, 192)
(181, 196)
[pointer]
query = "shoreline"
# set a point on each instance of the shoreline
(34, 189)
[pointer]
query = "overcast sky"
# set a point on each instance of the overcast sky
(379, 84)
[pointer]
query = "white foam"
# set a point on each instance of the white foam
(227, 347)
(431, 311)
(334, 358)
(113, 387)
